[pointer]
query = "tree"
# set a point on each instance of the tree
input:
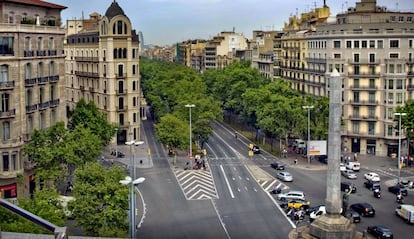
(45, 204)
(89, 116)
(101, 202)
(173, 132)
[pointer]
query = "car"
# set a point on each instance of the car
(353, 215)
(299, 204)
(347, 185)
(371, 176)
(350, 174)
(355, 166)
(372, 185)
(342, 167)
(309, 210)
(291, 195)
(398, 188)
(256, 149)
(285, 176)
(317, 213)
(381, 232)
(364, 209)
(277, 166)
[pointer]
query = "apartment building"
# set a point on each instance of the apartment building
(263, 44)
(373, 50)
(219, 51)
(32, 85)
(102, 65)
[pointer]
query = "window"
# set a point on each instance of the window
(409, 19)
(39, 43)
(27, 43)
(134, 69)
(6, 46)
(371, 128)
(348, 44)
(5, 102)
(371, 97)
(134, 85)
(6, 130)
(364, 44)
(4, 73)
(371, 111)
(390, 113)
(394, 43)
(391, 68)
(52, 68)
(356, 57)
(355, 127)
(389, 130)
(390, 98)
(51, 43)
(120, 70)
(394, 55)
(134, 101)
(399, 97)
(119, 26)
(134, 117)
(400, 18)
(399, 84)
(372, 83)
(372, 57)
(356, 70)
(399, 68)
(40, 70)
(6, 163)
(371, 44)
(356, 83)
(337, 44)
(380, 44)
(28, 71)
(410, 43)
(356, 44)
(337, 56)
(356, 99)
(14, 162)
(390, 84)
(121, 119)
(392, 18)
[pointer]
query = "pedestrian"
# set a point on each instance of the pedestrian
(296, 161)
(235, 134)
(355, 157)
(69, 187)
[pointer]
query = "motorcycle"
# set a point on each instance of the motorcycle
(377, 194)
(400, 199)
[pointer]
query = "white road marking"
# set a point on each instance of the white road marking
(227, 181)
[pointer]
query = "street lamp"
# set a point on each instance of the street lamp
(308, 107)
(399, 143)
(191, 151)
(128, 180)
(116, 142)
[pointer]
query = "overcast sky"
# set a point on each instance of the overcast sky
(164, 22)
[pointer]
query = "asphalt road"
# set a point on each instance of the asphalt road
(226, 201)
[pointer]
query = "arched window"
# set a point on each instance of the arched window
(121, 103)
(114, 29)
(5, 102)
(40, 69)
(28, 71)
(4, 73)
(125, 28)
(115, 53)
(27, 43)
(119, 26)
(52, 68)
(120, 53)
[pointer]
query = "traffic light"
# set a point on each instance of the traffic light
(205, 152)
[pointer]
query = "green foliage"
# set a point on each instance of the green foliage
(173, 132)
(101, 203)
(89, 116)
(45, 204)
(407, 121)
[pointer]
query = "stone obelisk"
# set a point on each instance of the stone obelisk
(333, 224)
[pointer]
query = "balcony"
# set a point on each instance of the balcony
(8, 114)
(30, 82)
(316, 60)
(363, 102)
(43, 105)
(357, 87)
(364, 75)
(54, 103)
(410, 73)
(120, 76)
(9, 85)
(363, 118)
(86, 59)
(54, 78)
(31, 108)
(363, 61)
(410, 87)
(40, 53)
(86, 74)
(121, 108)
(121, 92)
(52, 52)
(28, 53)
(43, 80)
(92, 89)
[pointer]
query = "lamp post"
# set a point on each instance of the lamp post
(131, 189)
(399, 143)
(116, 142)
(308, 107)
(189, 106)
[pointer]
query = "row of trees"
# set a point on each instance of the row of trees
(238, 90)
(60, 154)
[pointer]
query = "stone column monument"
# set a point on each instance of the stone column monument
(333, 225)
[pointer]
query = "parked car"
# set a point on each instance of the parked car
(350, 174)
(372, 185)
(355, 166)
(353, 215)
(342, 167)
(364, 209)
(398, 188)
(285, 176)
(347, 185)
(309, 210)
(317, 213)
(381, 232)
(291, 195)
(371, 176)
(299, 204)
(277, 166)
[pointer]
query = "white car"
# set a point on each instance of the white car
(342, 167)
(291, 195)
(315, 214)
(285, 176)
(350, 174)
(374, 177)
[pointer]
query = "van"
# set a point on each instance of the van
(299, 144)
(355, 166)
(406, 212)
